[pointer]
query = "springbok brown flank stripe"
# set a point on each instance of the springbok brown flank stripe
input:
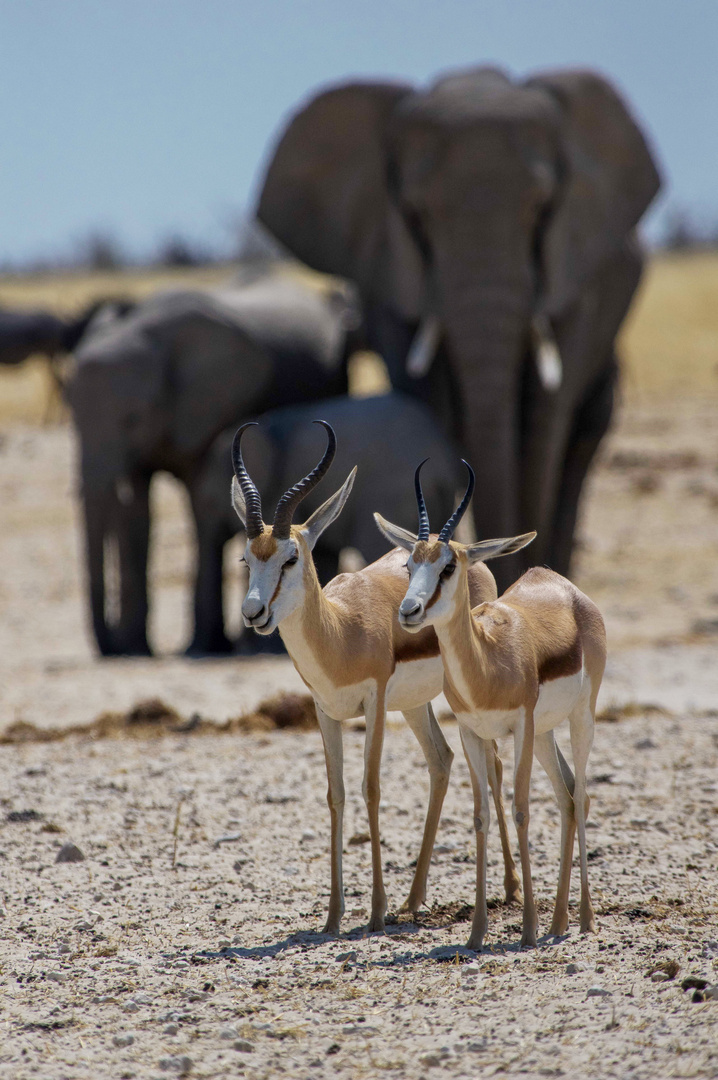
(562, 665)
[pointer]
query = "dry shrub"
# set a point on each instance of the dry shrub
(154, 718)
(613, 714)
(290, 711)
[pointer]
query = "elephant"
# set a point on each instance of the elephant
(152, 390)
(489, 225)
(24, 333)
(385, 436)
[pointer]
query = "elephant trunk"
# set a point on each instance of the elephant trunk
(487, 343)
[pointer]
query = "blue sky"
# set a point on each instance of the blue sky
(147, 117)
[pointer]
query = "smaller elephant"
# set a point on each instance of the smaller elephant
(384, 436)
(152, 390)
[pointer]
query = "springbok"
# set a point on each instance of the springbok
(521, 664)
(347, 645)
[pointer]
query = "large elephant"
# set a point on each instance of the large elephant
(385, 437)
(490, 225)
(152, 390)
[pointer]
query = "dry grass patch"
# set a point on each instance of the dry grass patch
(153, 718)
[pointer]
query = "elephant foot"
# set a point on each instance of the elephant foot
(132, 648)
(217, 645)
(257, 645)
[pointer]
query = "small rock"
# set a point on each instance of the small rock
(143, 999)
(469, 971)
(434, 1057)
(56, 976)
(70, 852)
(123, 1040)
(573, 969)
(228, 838)
(130, 1007)
(171, 1029)
(597, 991)
(243, 1046)
(181, 1065)
(359, 838)
(225, 943)
(697, 996)
(448, 953)
(444, 849)
(279, 797)
(645, 744)
(711, 992)
(660, 977)
(309, 834)
(228, 1033)
(346, 957)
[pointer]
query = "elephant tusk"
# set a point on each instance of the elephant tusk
(548, 358)
(423, 347)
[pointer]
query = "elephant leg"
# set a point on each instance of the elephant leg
(133, 536)
(590, 424)
(209, 634)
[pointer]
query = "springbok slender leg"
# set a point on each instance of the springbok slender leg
(582, 721)
(512, 884)
(547, 752)
(334, 756)
(374, 711)
(439, 756)
(475, 750)
(523, 758)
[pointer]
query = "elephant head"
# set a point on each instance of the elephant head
(480, 211)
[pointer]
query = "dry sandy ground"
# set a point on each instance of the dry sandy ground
(186, 941)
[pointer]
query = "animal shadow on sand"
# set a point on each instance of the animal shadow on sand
(399, 928)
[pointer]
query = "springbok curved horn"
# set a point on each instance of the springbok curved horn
(423, 533)
(292, 498)
(448, 531)
(252, 501)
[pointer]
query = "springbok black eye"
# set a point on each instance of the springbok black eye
(292, 560)
(448, 570)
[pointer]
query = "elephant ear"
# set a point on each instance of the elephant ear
(326, 194)
(609, 180)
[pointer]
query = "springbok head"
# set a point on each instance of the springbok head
(434, 561)
(279, 555)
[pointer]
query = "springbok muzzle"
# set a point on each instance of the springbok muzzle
(411, 611)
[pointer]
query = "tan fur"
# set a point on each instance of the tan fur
(264, 546)
(540, 629)
(426, 551)
(352, 625)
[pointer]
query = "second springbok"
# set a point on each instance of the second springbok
(355, 658)
(520, 665)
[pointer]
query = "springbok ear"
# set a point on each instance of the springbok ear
(328, 512)
(396, 536)
(490, 549)
(238, 502)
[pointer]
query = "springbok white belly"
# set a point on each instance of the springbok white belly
(556, 700)
(415, 682)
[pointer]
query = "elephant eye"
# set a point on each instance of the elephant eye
(448, 570)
